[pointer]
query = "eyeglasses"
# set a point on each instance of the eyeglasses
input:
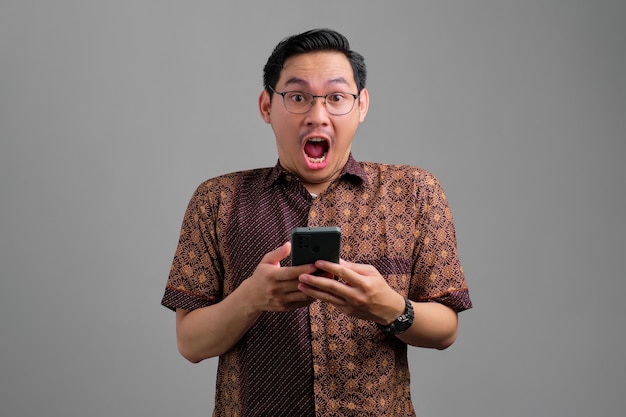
(300, 102)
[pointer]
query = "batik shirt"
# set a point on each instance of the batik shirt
(394, 217)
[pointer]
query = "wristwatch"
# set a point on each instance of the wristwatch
(402, 323)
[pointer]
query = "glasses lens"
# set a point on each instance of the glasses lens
(339, 103)
(298, 101)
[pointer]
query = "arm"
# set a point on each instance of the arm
(435, 325)
(362, 292)
(210, 331)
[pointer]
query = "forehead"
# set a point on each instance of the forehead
(317, 69)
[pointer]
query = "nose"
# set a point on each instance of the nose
(318, 115)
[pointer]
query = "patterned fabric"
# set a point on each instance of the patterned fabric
(395, 217)
(275, 354)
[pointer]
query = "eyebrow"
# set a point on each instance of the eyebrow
(304, 83)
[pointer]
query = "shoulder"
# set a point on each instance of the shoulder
(225, 186)
(380, 174)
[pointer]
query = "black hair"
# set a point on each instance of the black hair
(312, 41)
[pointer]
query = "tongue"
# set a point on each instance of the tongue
(315, 149)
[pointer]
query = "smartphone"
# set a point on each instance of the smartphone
(308, 244)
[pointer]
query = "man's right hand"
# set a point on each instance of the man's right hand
(275, 288)
(210, 331)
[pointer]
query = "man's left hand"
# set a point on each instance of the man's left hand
(358, 290)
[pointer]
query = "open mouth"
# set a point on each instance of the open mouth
(316, 150)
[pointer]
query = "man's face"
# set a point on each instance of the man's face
(315, 145)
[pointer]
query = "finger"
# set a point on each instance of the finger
(321, 294)
(324, 288)
(278, 254)
(362, 269)
(294, 294)
(292, 272)
(339, 271)
(288, 275)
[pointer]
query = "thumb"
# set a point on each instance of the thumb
(278, 254)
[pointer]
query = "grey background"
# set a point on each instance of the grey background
(112, 112)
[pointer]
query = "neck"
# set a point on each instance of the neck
(316, 189)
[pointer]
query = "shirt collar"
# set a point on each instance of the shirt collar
(352, 171)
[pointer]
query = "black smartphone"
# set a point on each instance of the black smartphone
(308, 244)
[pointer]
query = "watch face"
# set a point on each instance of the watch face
(405, 320)
(403, 325)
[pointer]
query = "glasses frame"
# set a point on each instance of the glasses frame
(313, 97)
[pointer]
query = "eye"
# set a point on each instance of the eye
(336, 97)
(297, 97)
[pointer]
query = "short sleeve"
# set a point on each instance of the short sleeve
(196, 273)
(437, 271)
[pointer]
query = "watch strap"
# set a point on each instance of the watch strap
(402, 323)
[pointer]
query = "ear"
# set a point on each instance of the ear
(364, 103)
(264, 106)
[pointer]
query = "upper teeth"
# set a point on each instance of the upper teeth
(316, 140)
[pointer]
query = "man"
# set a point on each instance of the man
(291, 343)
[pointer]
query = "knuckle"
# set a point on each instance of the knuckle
(359, 301)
